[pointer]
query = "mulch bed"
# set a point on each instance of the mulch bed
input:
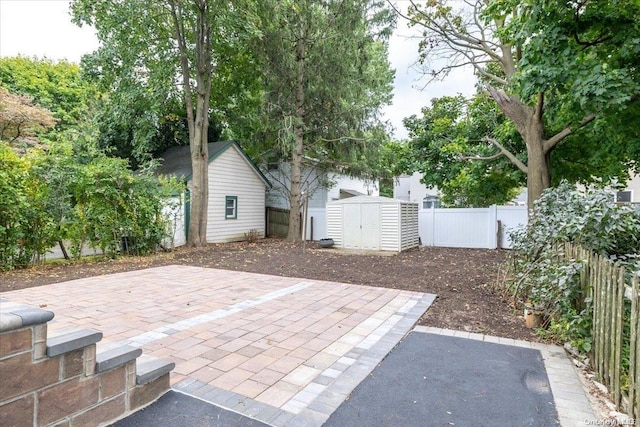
(463, 279)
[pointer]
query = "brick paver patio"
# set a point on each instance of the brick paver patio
(281, 350)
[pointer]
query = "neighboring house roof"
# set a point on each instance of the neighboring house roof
(177, 160)
(345, 193)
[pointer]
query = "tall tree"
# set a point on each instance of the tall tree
(152, 43)
(553, 68)
(326, 76)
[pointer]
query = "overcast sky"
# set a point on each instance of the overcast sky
(43, 28)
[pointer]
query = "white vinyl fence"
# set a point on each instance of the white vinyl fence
(316, 224)
(470, 227)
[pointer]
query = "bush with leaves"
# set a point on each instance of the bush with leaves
(26, 226)
(47, 197)
(13, 201)
(540, 272)
(115, 209)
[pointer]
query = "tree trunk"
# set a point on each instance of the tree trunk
(530, 125)
(64, 250)
(197, 125)
(538, 167)
(539, 175)
(199, 165)
(293, 234)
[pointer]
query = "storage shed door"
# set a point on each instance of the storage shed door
(361, 224)
(370, 220)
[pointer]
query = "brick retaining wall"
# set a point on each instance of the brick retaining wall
(62, 380)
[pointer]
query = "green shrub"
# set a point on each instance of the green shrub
(50, 196)
(540, 272)
(115, 209)
(25, 223)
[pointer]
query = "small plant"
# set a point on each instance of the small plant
(252, 235)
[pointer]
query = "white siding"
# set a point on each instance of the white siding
(390, 228)
(278, 195)
(334, 224)
(343, 182)
(230, 175)
(318, 199)
(320, 194)
(402, 187)
(633, 185)
(319, 216)
(409, 236)
(410, 189)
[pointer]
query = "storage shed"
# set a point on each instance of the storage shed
(373, 223)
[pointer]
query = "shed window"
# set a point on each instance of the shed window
(231, 207)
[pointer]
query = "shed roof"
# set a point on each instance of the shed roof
(177, 160)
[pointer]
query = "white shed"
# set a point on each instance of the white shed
(373, 223)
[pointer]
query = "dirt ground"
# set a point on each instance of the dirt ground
(463, 279)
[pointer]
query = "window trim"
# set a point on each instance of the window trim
(433, 200)
(625, 193)
(235, 207)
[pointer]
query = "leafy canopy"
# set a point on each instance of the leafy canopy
(58, 86)
(446, 142)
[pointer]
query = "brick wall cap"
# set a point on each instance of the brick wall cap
(16, 316)
(149, 368)
(70, 340)
(116, 356)
(9, 322)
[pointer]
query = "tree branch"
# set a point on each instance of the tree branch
(342, 138)
(508, 154)
(550, 143)
(495, 156)
(468, 45)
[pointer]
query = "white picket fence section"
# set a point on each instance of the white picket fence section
(470, 227)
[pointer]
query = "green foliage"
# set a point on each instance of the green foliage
(447, 145)
(588, 218)
(112, 204)
(345, 80)
(587, 50)
(395, 159)
(48, 197)
(584, 57)
(55, 85)
(13, 203)
(564, 73)
(145, 112)
(541, 273)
